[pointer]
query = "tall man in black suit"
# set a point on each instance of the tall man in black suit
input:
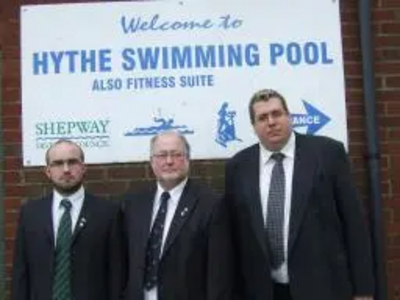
(298, 229)
(67, 245)
(178, 236)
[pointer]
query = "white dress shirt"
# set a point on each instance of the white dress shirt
(266, 164)
(58, 210)
(173, 202)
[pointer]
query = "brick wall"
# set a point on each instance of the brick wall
(109, 180)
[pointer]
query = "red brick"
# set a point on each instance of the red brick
(390, 3)
(13, 136)
(348, 16)
(391, 28)
(12, 109)
(385, 54)
(12, 123)
(11, 177)
(34, 175)
(137, 171)
(95, 173)
(388, 68)
(11, 52)
(391, 149)
(394, 134)
(350, 29)
(12, 149)
(12, 163)
(384, 15)
(12, 203)
(353, 68)
(393, 82)
(111, 189)
(113, 179)
(388, 95)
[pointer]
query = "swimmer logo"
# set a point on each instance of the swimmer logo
(160, 124)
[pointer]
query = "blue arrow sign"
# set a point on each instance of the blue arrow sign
(313, 119)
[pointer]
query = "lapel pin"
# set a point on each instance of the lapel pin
(82, 222)
(184, 211)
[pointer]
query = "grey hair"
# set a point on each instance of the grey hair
(185, 142)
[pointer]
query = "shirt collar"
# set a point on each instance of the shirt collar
(287, 150)
(175, 193)
(74, 198)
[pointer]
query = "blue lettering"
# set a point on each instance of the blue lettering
(205, 56)
(324, 54)
(196, 80)
(56, 58)
(133, 25)
(277, 50)
(293, 53)
(89, 60)
(235, 55)
(129, 62)
(40, 63)
(107, 84)
(72, 61)
(189, 57)
(181, 58)
(309, 53)
(251, 55)
(148, 58)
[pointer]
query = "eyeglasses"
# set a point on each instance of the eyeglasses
(172, 155)
(72, 162)
(273, 115)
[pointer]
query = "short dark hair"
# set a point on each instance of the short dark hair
(65, 141)
(265, 95)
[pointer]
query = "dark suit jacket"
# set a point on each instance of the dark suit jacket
(328, 250)
(196, 259)
(96, 246)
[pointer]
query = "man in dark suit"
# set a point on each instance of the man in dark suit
(178, 236)
(68, 243)
(297, 222)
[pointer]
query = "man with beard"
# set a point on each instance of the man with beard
(67, 244)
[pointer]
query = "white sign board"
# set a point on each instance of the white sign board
(112, 75)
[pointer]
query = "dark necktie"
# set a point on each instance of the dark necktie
(154, 244)
(62, 268)
(275, 211)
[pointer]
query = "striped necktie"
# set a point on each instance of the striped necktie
(62, 259)
(154, 244)
(275, 211)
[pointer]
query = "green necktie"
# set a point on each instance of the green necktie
(62, 260)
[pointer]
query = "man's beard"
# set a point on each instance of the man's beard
(69, 190)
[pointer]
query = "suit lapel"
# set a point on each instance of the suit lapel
(48, 219)
(143, 212)
(251, 188)
(183, 211)
(303, 171)
(88, 206)
(138, 214)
